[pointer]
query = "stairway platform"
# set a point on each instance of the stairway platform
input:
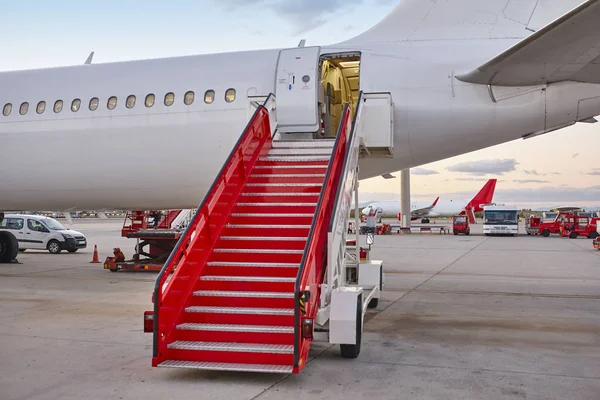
(213, 366)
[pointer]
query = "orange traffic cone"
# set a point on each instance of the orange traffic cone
(95, 258)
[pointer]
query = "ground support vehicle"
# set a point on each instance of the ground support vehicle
(460, 224)
(156, 236)
(532, 225)
(575, 226)
(500, 220)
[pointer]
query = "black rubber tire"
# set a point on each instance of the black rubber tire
(373, 303)
(353, 350)
(73, 251)
(593, 235)
(573, 235)
(54, 247)
(468, 232)
(545, 233)
(455, 233)
(9, 247)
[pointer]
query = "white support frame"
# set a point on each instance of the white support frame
(370, 281)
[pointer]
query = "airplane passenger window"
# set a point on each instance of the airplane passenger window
(58, 105)
(94, 104)
(189, 98)
(230, 95)
(112, 103)
(41, 107)
(169, 99)
(130, 102)
(24, 108)
(209, 96)
(7, 109)
(150, 100)
(75, 105)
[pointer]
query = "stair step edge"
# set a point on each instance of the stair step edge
(232, 293)
(235, 328)
(215, 366)
(233, 347)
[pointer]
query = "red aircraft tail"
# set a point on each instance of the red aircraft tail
(485, 196)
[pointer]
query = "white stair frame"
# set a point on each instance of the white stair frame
(336, 317)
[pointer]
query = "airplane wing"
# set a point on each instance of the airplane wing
(423, 212)
(566, 49)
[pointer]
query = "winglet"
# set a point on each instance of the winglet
(89, 59)
(435, 202)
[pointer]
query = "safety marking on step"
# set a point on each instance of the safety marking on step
(302, 302)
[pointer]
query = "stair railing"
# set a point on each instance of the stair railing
(189, 257)
(312, 266)
(338, 224)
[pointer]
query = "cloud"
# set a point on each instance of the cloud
(595, 171)
(303, 15)
(485, 167)
(474, 179)
(548, 194)
(529, 181)
(423, 171)
(575, 155)
(533, 172)
(536, 173)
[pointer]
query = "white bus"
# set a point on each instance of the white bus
(500, 220)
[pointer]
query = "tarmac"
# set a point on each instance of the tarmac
(462, 317)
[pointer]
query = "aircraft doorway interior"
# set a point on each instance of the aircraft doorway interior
(339, 84)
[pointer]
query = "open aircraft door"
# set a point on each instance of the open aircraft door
(296, 90)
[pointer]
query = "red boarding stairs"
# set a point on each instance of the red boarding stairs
(234, 301)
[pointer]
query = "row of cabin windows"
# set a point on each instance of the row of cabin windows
(111, 104)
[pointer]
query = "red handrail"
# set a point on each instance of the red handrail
(191, 253)
(169, 218)
(314, 259)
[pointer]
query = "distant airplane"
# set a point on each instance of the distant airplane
(438, 208)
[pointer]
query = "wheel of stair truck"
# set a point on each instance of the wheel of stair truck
(593, 235)
(353, 350)
(9, 247)
(373, 303)
(573, 235)
(546, 233)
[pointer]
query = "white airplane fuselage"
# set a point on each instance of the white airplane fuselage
(443, 208)
(167, 157)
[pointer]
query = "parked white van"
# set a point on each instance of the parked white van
(38, 232)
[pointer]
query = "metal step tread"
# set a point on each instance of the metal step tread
(268, 279)
(320, 166)
(284, 184)
(299, 158)
(304, 143)
(260, 226)
(239, 310)
(233, 347)
(231, 293)
(287, 176)
(216, 366)
(276, 204)
(285, 194)
(190, 326)
(251, 264)
(300, 151)
(269, 215)
(266, 238)
(259, 251)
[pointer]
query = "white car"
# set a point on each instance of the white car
(42, 233)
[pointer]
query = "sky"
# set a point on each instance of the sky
(558, 168)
